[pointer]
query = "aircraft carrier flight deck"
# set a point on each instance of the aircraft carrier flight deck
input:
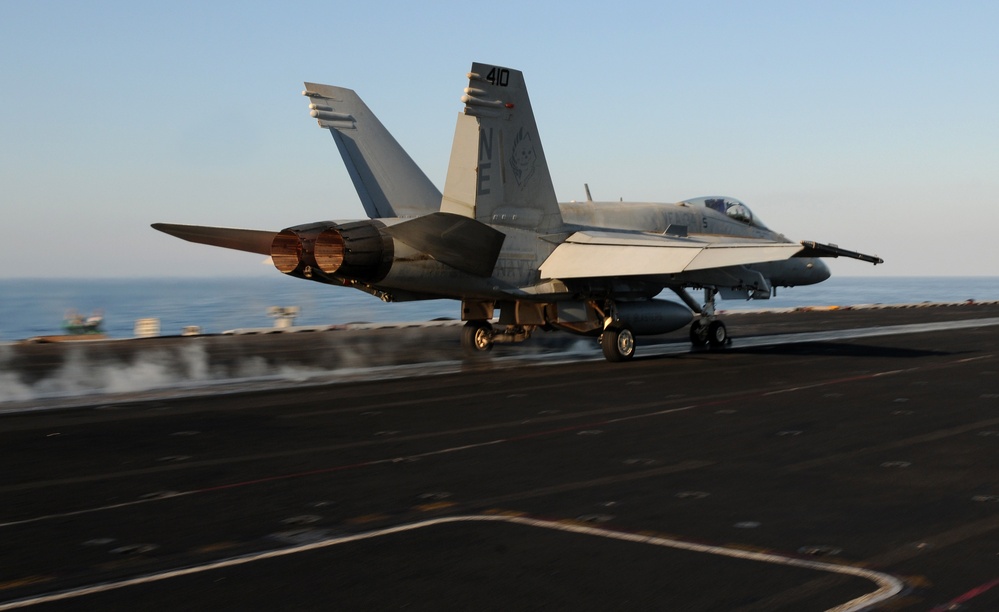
(844, 459)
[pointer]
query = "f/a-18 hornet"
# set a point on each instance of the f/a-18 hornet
(498, 240)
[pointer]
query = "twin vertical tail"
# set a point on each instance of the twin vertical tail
(386, 178)
(498, 173)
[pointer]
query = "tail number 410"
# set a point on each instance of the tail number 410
(499, 76)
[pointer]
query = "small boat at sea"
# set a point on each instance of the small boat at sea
(77, 325)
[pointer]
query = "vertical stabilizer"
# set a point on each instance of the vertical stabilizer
(498, 173)
(386, 178)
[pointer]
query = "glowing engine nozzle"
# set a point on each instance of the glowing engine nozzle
(286, 251)
(330, 250)
(358, 251)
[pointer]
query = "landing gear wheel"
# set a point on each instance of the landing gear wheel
(618, 344)
(717, 334)
(699, 333)
(477, 337)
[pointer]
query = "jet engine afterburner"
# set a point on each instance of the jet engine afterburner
(357, 251)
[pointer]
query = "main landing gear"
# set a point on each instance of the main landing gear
(618, 343)
(478, 336)
(708, 330)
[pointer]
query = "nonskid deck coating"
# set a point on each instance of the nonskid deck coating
(876, 453)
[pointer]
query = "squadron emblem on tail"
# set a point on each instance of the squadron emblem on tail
(523, 157)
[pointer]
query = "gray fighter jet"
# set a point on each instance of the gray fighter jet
(498, 240)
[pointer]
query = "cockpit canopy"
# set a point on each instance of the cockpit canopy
(730, 207)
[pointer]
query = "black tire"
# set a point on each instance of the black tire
(618, 344)
(698, 334)
(477, 337)
(717, 334)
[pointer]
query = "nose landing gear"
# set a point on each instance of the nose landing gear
(713, 333)
(708, 330)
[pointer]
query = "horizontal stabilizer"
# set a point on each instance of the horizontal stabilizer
(460, 242)
(595, 254)
(817, 249)
(252, 241)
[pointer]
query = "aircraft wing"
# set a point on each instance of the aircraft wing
(253, 241)
(589, 254)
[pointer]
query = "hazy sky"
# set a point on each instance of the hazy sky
(873, 125)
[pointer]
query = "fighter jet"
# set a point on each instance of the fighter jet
(498, 240)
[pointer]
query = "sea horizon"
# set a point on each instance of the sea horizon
(32, 306)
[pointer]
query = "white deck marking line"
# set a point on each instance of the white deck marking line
(136, 502)
(870, 332)
(826, 383)
(826, 336)
(646, 415)
(888, 585)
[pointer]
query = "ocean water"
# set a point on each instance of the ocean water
(33, 307)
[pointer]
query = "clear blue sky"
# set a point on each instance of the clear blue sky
(874, 125)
